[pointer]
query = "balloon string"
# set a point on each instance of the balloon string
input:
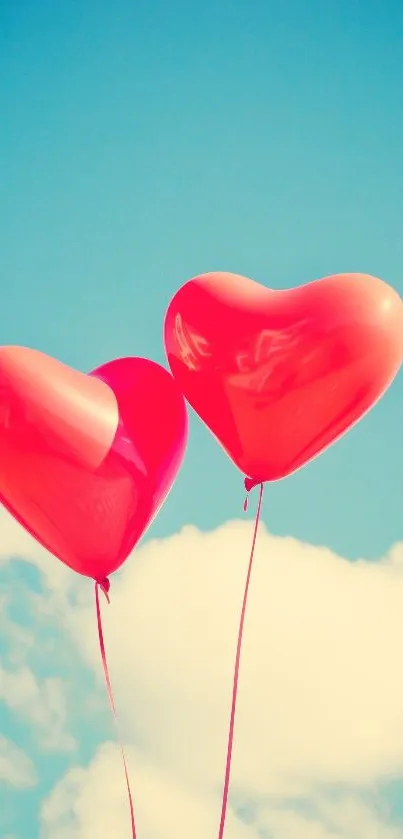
(236, 671)
(104, 585)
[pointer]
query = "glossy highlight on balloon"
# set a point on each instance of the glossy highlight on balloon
(280, 375)
(86, 461)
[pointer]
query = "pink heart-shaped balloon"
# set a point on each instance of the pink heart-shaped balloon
(278, 376)
(86, 461)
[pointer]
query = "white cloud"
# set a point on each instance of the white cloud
(169, 808)
(321, 697)
(165, 806)
(16, 769)
(321, 688)
(349, 818)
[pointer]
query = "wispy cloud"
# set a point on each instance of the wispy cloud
(40, 703)
(16, 769)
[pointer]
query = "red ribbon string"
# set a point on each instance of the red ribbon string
(237, 665)
(105, 585)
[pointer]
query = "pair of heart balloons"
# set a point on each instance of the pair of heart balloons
(86, 461)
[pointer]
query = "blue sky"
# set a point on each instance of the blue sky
(142, 144)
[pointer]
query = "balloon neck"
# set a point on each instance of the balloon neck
(104, 585)
(251, 483)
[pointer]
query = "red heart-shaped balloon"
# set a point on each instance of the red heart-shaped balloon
(87, 460)
(278, 376)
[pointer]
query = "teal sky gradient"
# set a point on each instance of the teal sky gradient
(144, 143)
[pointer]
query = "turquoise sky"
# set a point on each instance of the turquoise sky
(143, 143)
